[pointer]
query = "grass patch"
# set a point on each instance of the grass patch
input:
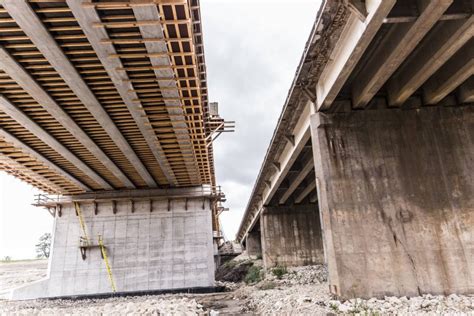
(254, 275)
(279, 272)
(334, 308)
(230, 264)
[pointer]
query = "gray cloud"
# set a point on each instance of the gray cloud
(252, 52)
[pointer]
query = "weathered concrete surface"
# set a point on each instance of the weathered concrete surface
(253, 243)
(291, 236)
(396, 192)
(147, 250)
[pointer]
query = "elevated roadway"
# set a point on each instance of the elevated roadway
(367, 169)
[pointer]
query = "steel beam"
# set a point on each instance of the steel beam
(86, 17)
(355, 38)
(34, 128)
(23, 78)
(400, 41)
(30, 151)
(29, 22)
(440, 45)
(451, 75)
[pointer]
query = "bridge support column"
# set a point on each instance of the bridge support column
(253, 243)
(291, 236)
(396, 193)
(152, 245)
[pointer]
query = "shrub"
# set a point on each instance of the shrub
(279, 271)
(254, 275)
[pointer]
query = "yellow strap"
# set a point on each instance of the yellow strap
(106, 260)
(81, 221)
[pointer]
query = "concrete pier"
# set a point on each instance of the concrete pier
(396, 195)
(253, 243)
(291, 236)
(151, 244)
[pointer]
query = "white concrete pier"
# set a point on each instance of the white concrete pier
(151, 245)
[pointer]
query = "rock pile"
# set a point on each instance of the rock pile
(301, 275)
(299, 291)
(304, 291)
(294, 300)
(426, 304)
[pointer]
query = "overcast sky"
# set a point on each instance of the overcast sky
(252, 51)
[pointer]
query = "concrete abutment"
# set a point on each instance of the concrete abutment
(152, 245)
(396, 191)
(291, 235)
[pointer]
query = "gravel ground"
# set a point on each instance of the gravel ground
(300, 291)
(142, 305)
(304, 291)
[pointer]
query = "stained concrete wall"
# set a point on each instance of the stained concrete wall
(147, 250)
(253, 244)
(396, 191)
(291, 236)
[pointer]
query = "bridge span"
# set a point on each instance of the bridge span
(105, 104)
(370, 166)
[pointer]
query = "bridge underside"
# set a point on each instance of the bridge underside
(101, 95)
(376, 137)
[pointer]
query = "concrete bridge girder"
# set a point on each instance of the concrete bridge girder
(302, 135)
(86, 18)
(30, 23)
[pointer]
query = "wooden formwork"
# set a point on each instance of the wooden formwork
(153, 134)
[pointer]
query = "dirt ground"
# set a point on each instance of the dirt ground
(17, 273)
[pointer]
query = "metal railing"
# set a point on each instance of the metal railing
(43, 199)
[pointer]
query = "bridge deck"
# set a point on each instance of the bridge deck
(104, 95)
